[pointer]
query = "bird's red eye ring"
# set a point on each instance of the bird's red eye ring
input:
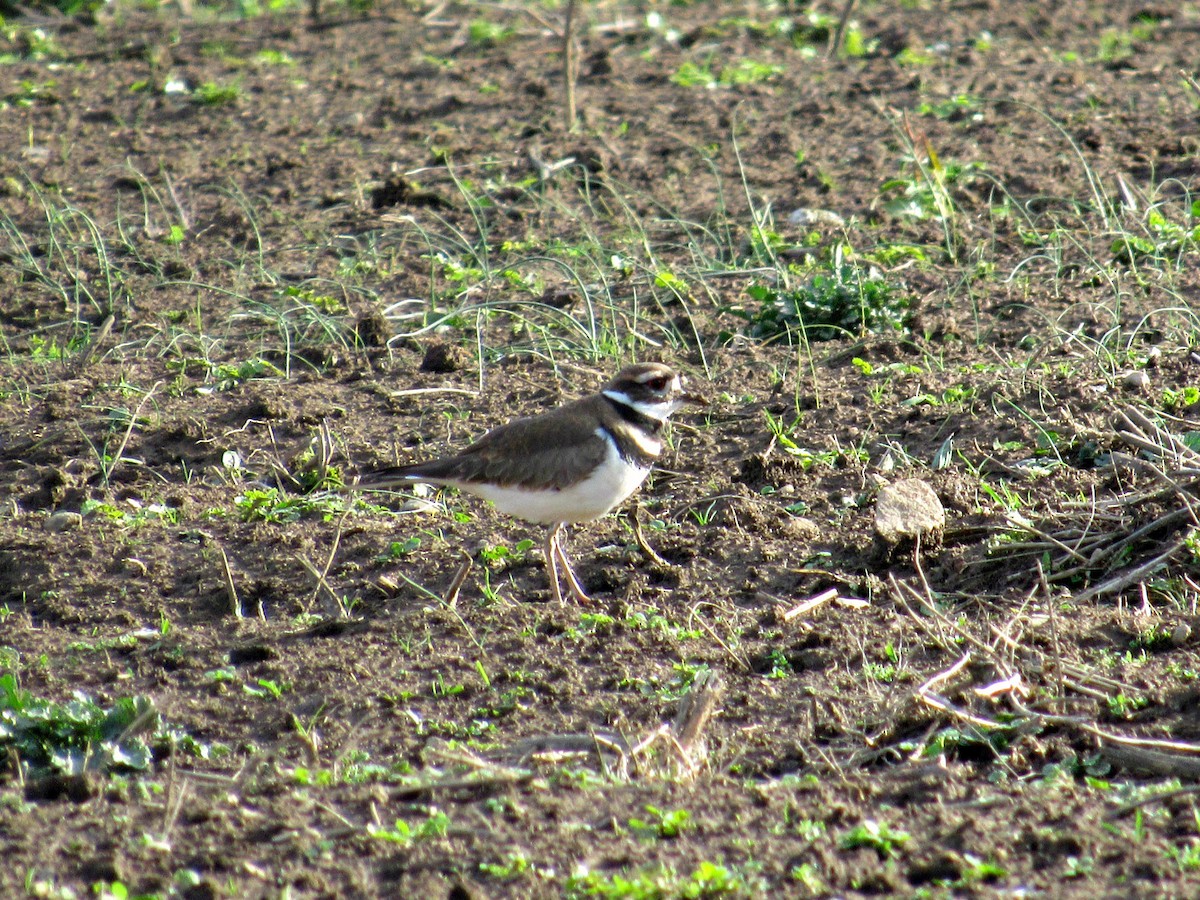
(659, 383)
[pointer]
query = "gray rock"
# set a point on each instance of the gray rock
(907, 511)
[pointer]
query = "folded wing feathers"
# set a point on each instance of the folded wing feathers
(541, 452)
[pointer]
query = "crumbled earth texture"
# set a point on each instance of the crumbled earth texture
(245, 254)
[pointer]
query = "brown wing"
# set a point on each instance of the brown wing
(557, 448)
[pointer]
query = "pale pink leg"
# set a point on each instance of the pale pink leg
(572, 581)
(551, 551)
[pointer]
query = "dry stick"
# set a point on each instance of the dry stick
(695, 709)
(495, 775)
(230, 590)
(1126, 808)
(692, 617)
(322, 583)
(1133, 575)
(810, 604)
(945, 674)
(1074, 672)
(836, 41)
(411, 392)
(1058, 672)
(1143, 427)
(89, 350)
(129, 431)
(171, 811)
(1001, 664)
(1116, 546)
(326, 452)
(451, 595)
(450, 609)
(570, 63)
(1019, 521)
(1156, 763)
(1124, 740)
(337, 539)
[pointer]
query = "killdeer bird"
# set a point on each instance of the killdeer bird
(572, 464)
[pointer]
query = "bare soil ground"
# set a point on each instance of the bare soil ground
(327, 244)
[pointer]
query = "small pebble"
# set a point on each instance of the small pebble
(1136, 380)
(804, 217)
(1180, 634)
(62, 521)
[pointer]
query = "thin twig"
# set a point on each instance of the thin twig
(570, 63)
(230, 589)
(1132, 576)
(460, 577)
(836, 41)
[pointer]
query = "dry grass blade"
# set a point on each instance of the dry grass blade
(231, 593)
(1136, 532)
(618, 757)
(696, 707)
(1029, 666)
(1137, 430)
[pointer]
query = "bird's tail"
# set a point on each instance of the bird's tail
(397, 476)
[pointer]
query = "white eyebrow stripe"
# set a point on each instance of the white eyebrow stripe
(618, 397)
(649, 376)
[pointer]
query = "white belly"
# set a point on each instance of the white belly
(605, 488)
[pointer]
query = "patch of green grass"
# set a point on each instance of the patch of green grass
(31, 93)
(650, 619)
(949, 741)
(922, 191)
(141, 514)
(960, 106)
(516, 866)
(915, 58)
(266, 689)
(80, 735)
(812, 32)
(809, 877)
(661, 823)
(1180, 398)
(212, 93)
(748, 71)
(271, 505)
(707, 880)
(785, 434)
(33, 43)
(779, 666)
(1122, 706)
(845, 300)
(224, 376)
(1163, 242)
(407, 835)
(878, 836)
(397, 550)
(493, 555)
(354, 767)
(483, 33)
(744, 71)
(271, 57)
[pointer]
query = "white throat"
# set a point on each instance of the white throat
(659, 410)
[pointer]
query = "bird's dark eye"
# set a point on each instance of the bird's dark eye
(659, 383)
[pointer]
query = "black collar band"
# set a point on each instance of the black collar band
(648, 424)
